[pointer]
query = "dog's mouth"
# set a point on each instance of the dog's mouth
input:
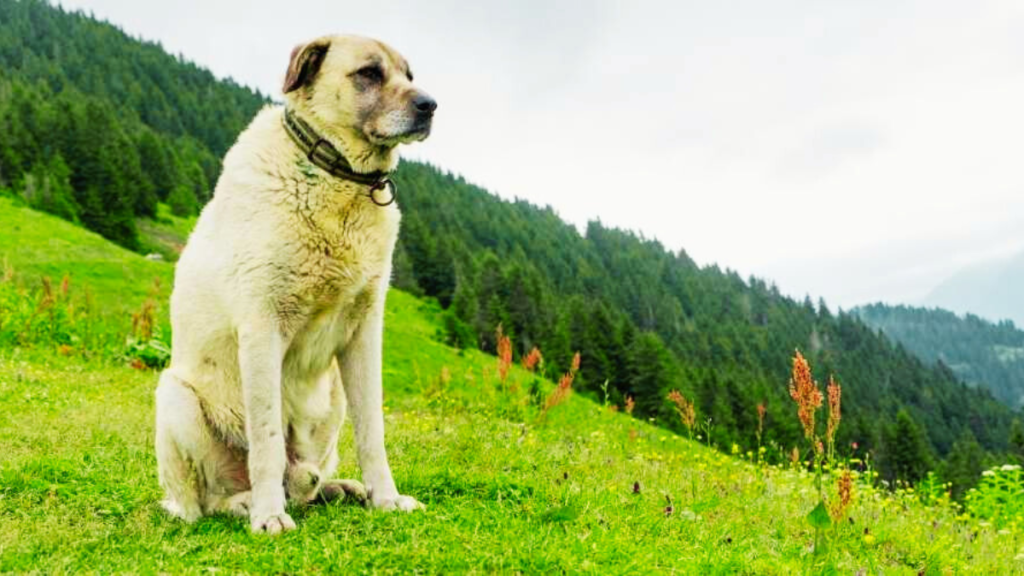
(418, 132)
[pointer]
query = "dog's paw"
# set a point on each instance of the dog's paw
(402, 503)
(334, 490)
(187, 513)
(237, 505)
(271, 524)
(302, 482)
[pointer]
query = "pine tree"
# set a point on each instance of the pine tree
(1017, 442)
(157, 163)
(491, 311)
(200, 186)
(47, 188)
(403, 276)
(965, 463)
(651, 374)
(530, 314)
(906, 450)
(182, 201)
(466, 300)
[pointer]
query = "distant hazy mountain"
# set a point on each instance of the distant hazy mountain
(994, 291)
(980, 352)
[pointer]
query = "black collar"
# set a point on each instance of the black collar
(326, 157)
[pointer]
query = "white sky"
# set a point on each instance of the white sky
(855, 150)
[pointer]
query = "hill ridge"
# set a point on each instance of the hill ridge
(982, 353)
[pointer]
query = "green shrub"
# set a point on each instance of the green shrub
(999, 497)
(933, 491)
(43, 315)
(149, 353)
(183, 201)
(146, 346)
(457, 333)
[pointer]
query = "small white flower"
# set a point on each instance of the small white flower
(1009, 467)
(690, 515)
(988, 473)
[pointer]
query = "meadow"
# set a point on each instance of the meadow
(518, 473)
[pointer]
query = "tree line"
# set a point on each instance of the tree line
(98, 127)
(648, 320)
(982, 353)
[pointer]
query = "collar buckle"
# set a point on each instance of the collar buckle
(312, 149)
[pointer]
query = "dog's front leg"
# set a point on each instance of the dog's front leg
(260, 358)
(361, 376)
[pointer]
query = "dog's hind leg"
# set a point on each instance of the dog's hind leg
(236, 505)
(183, 443)
(339, 489)
(314, 447)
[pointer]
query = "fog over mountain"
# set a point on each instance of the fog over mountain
(994, 290)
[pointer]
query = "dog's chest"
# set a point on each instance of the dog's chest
(345, 251)
(345, 258)
(329, 331)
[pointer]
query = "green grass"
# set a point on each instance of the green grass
(166, 234)
(34, 245)
(504, 492)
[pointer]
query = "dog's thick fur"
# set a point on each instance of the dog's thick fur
(278, 302)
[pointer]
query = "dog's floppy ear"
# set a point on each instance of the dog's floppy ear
(305, 62)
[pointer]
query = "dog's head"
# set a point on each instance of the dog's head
(358, 88)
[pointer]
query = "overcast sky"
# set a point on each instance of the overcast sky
(856, 150)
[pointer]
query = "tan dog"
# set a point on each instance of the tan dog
(278, 301)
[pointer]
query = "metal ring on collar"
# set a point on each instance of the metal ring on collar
(381, 185)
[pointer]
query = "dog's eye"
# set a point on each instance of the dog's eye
(373, 73)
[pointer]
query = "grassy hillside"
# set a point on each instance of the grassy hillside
(101, 128)
(165, 234)
(104, 129)
(585, 489)
(34, 245)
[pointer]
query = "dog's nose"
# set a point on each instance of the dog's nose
(424, 103)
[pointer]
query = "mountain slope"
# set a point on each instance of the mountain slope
(99, 127)
(68, 50)
(647, 321)
(994, 291)
(980, 352)
(583, 489)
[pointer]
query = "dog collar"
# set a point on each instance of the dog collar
(325, 156)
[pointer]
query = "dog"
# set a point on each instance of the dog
(278, 302)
